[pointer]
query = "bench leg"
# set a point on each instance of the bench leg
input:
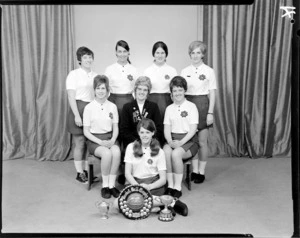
(90, 175)
(188, 177)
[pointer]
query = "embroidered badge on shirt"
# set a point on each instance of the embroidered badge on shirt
(202, 77)
(111, 115)
(150, 161)
(184, 114)
(167, 77)
(129, 76)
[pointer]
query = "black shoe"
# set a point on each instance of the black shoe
(172, 210)
(169, 191)
(121, 179)
(193, 176)
(181, 208)
(81, 178)
(176, 193)
(115, 192)
(199, 178)
(105, 192)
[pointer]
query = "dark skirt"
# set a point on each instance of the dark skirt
(162, 100)
(202, 103)
(92, 146)
(157, 191)
(120, 100)
(192, 144)
(71, 126)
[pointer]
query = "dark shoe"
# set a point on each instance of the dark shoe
(105, 192)
(121, 179)
(87, 175)
(172, 210)
(193, 176)
(169, 191)
(81, 178)
(199, 178)
(181, 208)
(115, 192)
(176, 193)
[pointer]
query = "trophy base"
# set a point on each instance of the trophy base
(166, 217)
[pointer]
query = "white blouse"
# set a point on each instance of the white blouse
(121, 78)
(160, 77)
(100, 117)
(146, 166)
(82, 82)
(199, 79)
(180, 117)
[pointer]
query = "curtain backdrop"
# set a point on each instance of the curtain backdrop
(37, 54)
(249, 46)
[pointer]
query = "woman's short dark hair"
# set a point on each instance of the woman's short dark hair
(101, 79)
(81, 51)
(149, 125)
(161, 45)
(178, 81)
(125, 45)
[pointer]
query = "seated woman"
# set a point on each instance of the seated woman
(145, 165)
(100, 121)
(180, 127)
(137, 109)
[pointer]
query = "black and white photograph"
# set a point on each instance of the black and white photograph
(152, 120)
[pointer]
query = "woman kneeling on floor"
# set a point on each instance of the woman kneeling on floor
(145, 165)
(100, 121)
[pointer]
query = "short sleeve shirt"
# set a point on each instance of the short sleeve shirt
(100, 117)
(145, 166)
(160, 77)
(121, 78)
(199, 79)
(180, 117)
(82, 82)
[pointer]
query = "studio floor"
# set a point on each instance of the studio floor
(239, 196)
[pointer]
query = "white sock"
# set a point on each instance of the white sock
(78, 166)
(178, 181)
(85, 165)
(202, 167)
(112, 180)
(170, 180)
(105, 181)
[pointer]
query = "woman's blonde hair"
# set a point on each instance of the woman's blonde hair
(197, 44)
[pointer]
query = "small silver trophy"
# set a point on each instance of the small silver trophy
(103, 208)
(166, 214)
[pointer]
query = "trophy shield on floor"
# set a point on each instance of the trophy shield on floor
(103, 208)
(166, 214)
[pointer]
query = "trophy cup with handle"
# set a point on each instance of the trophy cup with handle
(103, 208)
(166, 214)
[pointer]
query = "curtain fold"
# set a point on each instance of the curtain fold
(37, 54)
(249, 48)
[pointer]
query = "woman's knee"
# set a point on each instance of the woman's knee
(79, 142)
(103, 152)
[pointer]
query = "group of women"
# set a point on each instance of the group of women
(158, 117)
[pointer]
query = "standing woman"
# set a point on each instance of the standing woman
(79, 85)
(201, 81)
(160, 74)
(100, 121)
(122, 76)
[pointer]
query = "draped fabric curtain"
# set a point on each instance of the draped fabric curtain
(37, 54)
(249, 46)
